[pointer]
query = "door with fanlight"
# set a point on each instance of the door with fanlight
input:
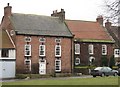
(42, 66)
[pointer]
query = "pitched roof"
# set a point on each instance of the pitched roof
(88, 31)
(5, 41)
(39, 25)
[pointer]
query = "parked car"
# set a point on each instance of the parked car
(103, 71)
(119, 71)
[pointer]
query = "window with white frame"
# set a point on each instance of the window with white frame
(27, 50)
(28, 63)
(42, 50)
(116, 52)
(77, 48)
(57, 65)
(42, 39)
(58, 50)
(91, 49)
(27, 39)
(77, 61)
(104, 49)
(58, 40)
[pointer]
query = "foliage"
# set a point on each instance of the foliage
(104, 61)
(112, 62)
(113, 10)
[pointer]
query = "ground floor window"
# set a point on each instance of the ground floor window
(77, 61)
(57, 65)
(28, 64)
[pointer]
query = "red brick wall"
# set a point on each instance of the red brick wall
(50, 53)
(84, 55)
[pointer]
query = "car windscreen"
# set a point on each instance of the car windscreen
(98, 68)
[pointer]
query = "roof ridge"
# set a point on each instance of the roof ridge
(81, 20)
(36, 15)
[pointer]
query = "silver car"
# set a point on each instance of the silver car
(103, 71)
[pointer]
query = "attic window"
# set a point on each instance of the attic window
(27, 39)
(12, 32)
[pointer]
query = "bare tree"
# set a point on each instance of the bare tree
(113, 10)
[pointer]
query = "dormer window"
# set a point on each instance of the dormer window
(27, 39)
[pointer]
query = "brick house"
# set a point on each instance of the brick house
(92, 42)
(7, 55)
(43, 43)
(114, 31)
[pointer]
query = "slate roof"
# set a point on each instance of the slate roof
(5, 41)
(88, 31)
(39, 25)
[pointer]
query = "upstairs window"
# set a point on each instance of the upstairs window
(57, 65)
(27, 50)
(104, 49)
(77, 48)
(117, 52)
(91, 49)
(27, 39)
(4, 53)
(58, 51)
(42, 50)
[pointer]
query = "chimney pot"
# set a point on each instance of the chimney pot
(99, 19)
(8, 4)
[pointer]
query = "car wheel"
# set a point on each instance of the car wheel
(115, 74)
(94, 76)
(103, 74)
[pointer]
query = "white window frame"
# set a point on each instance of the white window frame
(41, 50)
(56, 46)
(78, 61)
(42, 40)
(57, 70)
(28, 64)
(77, 48)
(104, 49)
(29, 50)
(91, 49)
(116, 52)
(58, 40)
(27, 39)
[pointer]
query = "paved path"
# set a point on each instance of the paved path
(12, 80)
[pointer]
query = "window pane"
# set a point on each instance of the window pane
(42, 50)
(57, 50)
(5, 53)
(27, 50)
(77, 48)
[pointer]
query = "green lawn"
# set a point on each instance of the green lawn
(68, 81)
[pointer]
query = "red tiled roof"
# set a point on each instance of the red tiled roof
(87, 30)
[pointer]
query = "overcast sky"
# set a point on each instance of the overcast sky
(75, 9)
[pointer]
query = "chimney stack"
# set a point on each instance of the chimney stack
(108, 25)
(99, 19)
(7, 10)
(60, 14)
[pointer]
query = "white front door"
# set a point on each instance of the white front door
(42, 66)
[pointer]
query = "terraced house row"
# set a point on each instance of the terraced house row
(50, 44)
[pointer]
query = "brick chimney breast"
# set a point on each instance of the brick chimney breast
(99, 19)
(60, 14)
(7, 10)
